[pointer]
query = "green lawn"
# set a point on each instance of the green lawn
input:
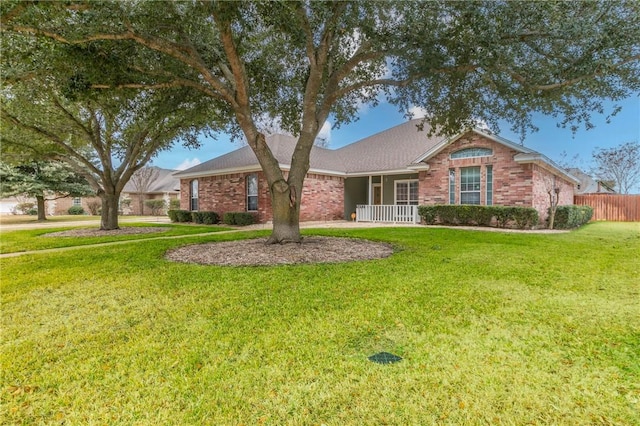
(9, 219)
(494, 328)
(37, 239)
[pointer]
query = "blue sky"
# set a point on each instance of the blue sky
(549, 140)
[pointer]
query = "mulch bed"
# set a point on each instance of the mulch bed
(255, 252)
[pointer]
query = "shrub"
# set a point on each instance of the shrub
(156, 206)
(464, 214)
(180, 215)
(94, 207)
(75, 210)
(503, 215)
(525, 217)
(206, 218)
(239, 218)
(174, 204)
(448, 214)
(24, 208)
(32, 212)
(483, 215)
(568, 217)
(429, 214)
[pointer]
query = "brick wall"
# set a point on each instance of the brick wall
(134, 206)
(322, 196)
(61, 205)
(512, 182)
(545, 180)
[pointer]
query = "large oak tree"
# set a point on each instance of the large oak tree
(302, 62)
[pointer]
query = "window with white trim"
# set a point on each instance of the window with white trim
(193, 195)
(252, 192)
(470, 185)
(406, 193)
(77, 201)
(452, 186)
(471, 153)
(489, 201)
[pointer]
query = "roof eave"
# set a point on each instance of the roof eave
(544, 162)
(382, 172)
(227, 171)
(445, 142)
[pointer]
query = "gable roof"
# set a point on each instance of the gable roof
(390, 150)
(588, 185)
(244, 159)
(524, 155)
(164, 182)
(400, 149)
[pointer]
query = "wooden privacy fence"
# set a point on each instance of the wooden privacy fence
(614, 207)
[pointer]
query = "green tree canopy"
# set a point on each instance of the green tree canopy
(301, 62)
(42, 180)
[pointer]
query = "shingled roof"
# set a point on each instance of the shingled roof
(400, 149)
(390, 150)
(244, 159)
(164, 182)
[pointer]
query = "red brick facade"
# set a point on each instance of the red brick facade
(322, 196)
(544, 181)
(514, 184)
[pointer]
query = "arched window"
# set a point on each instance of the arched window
(193, 194)
(252, 192)
(472, 152)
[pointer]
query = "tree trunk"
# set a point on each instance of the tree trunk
(285, 200)
(40, 205)
(141, 203)
(553, 206)
(109, 215)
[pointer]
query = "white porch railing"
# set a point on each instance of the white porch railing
(387, 213)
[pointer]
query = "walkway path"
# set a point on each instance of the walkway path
(152, 219)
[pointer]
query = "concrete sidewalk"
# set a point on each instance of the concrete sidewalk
(88, 223)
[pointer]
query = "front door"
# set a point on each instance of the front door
(377, 195)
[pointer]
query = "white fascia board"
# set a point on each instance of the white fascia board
(441, 145)
(382, 172)
(545, 162)
(327, 172)
(419, 167)
(218, 172)
(253, 168)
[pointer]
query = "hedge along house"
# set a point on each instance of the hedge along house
(384, 177)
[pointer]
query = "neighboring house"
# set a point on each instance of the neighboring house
(164, 187)
(588, 185)
(384, 176)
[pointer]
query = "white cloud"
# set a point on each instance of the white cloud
(188, 163)
(417, 112)
(324, 135)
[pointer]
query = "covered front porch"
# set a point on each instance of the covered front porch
(391, 213)
(390, 198)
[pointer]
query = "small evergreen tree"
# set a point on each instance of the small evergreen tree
(42, 180)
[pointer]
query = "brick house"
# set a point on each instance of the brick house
(384, 176)
(165, 187)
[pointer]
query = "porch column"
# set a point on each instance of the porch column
(370, 190)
